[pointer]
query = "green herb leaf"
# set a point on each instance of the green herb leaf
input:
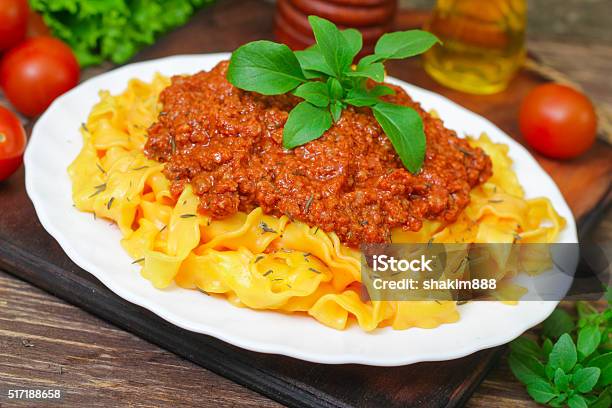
(577, 401)
(369, 59)
(381, 90)
(360, 97)
(335, 88)
(314, 92)
(364, 97)
(404, 44)
(313, 63)
(333, 45)
(354, 40)
(336, 110)
(265, 67)
(526, 346)
(562, 380)
(541, 391)
(557, 323)
(404, 127)
(585, 379)
(563, 354)
(526, 368)
(604, 363)
(375, 72)
(588, 341)
(306, 122)
(604, 400)
(547, 347)
(558, 400)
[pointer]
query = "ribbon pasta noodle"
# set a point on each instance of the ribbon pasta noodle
(260, 261)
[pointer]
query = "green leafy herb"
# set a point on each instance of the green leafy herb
(576, 370)
(558, 322)
(315, 93)
(112, 30)
(324, 76)
(265, 67)
(404, 44)
(405, 129)
(306, 122)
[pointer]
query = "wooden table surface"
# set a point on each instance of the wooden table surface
(46, 343)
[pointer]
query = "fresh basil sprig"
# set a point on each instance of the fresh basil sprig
(575, 370)
(325, 77)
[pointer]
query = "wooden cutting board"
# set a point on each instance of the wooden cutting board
(28, 252)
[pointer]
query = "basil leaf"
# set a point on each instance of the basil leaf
(588, 340)
(336, 110)
(360, 99)
(541, 391)
(312, 62)
(369, 59)
(305, 123)
(335, 88)
(360, 96)
(375, 72)
(585, 379)
(525, 345)
(314, 92)
(354, 39)
(526, 368)
(381, 90)
(577, 401)
(562, 380)
(557, 323)
(404, 44)
(332, 44)
(563, 354)
(404, 127)
(265, 67)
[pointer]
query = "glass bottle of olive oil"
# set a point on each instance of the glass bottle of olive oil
(483, 43)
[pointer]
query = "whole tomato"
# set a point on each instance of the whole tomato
(13, 22)
(12, 143)
(36, 72)
(558, 121)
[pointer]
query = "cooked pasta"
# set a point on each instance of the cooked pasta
(261, 261)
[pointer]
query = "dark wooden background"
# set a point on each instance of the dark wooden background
(47, 343)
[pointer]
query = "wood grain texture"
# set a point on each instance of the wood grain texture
(46, 343)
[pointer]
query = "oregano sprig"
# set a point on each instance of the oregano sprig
(324, 76)
(572, 367)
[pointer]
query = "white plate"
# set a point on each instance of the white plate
(94, 246)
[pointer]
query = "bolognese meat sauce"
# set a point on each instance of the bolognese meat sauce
(227, 143)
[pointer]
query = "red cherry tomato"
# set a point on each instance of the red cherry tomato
(13, 22)
(12, 143)
(558, 121)
(36, 72)
(36, 25)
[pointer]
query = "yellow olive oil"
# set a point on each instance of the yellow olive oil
(483, 43)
